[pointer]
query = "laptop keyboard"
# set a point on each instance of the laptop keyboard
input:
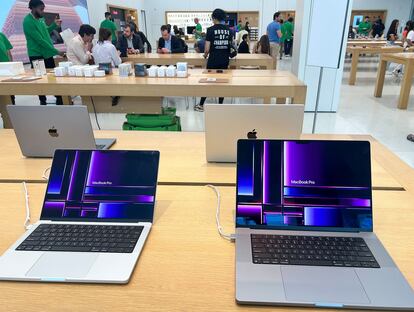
(82, 238)
(312, 251)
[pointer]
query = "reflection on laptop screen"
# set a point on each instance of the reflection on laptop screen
(102, 185)
(304, 184)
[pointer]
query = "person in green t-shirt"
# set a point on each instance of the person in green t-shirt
(39, 43)
(287, 31)
(109, 24)
(5, 48)
(364, 28)
(5, 53)
(198, 30)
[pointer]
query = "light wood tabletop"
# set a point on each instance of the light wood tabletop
(406, 59)
(373, 50)
(185, 265)
(197, 59)
(238, 83)
(183, 159)
(369, 43)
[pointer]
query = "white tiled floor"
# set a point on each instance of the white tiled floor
(359, 113)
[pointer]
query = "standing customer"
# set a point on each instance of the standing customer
(39, 44)
(79, 48)
(364, 28)
(105, 51)
(217, 48)
(199, 29)
(275, 34)
(378, 28)
(109, 24)
(288, 36)
(392, 34)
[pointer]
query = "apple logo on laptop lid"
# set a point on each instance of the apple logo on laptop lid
(252, 134)
(53, 132)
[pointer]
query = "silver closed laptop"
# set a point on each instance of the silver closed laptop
(304, 228)
(227, 123)
(40, 130)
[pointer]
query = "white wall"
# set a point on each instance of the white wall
(97, 9)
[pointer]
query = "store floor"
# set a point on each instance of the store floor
(359, 111)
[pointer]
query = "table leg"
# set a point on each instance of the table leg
(67, 100)
(280, 100)
(406, 86)
(354, 68)
(300, 97)
(379, 85)
(4, 101)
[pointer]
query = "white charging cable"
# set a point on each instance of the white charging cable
(229, 237)
(45, 176)
(26, 224)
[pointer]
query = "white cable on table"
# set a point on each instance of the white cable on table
(229, 237)
(45, 176)
(26, 224)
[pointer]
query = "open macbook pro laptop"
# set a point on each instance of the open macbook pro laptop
(41, 130)
(97, 214)
(225, 124)
(305, 228)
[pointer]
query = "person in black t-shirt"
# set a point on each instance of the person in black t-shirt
(217, 47)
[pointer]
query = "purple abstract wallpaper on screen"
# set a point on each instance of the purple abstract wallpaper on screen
(102, 185)
(304, 184)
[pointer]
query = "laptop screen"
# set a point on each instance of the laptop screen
(102, 186)
(304, 185)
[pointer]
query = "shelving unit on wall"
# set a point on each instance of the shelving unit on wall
(120, 14)
(184, 19)
(284, 15)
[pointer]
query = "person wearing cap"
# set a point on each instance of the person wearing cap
(39, 44)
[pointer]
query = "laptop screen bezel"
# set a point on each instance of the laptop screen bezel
(305, 228)
(106, 220)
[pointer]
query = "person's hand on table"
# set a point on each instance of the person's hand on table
(165, 50)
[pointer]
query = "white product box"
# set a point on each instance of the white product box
(11, 69)
(182, 66)
(60, 71)
(124, 70)
(153, 71)
(39, 68)
(182, 74)
(171, 71)
(79, 71)
(89, 71)
(162, 71)
(99, 73)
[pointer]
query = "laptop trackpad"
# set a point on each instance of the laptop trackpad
(62, 265)
(323, 285)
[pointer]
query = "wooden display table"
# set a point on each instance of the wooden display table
(183, 159)
(196, 59)
(406, 59)
(239, 83)
(357, 51)
(185, 265)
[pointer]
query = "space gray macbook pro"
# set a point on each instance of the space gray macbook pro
(96, 216)
(304, 228)
(40, 130)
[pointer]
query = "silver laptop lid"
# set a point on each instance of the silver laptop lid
(226, 124)
(41, 130)
(102, 186)
(304, 185)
